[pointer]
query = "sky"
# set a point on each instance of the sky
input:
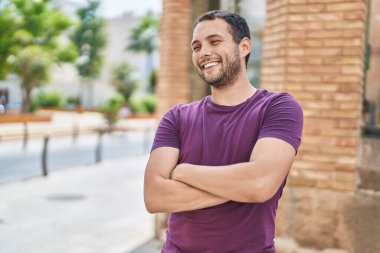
(115, 8)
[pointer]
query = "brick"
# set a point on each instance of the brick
(275, 37)
(271, 62)
(274, 21)
(274, 45)
(322, 69)
(339, 132)
(355, 15)
(320, 123)
(297, 17)
(303, 78)
(339, 114)
(322, 51)
(344, 25)
(318, 105)
(354, 33)
(304, 26)
(349, 105)
(275, 5)
(346, 6)
(324, 34)
(354, 51)
(345, 123)
(325, 87)
(295, 52)
(343, 186)
(296, 34)
(342, 42)
(292, 69)
(275, 29)
(304, 60)
(356, 70)
(293, 87)
(274, 53)
(348, 142)
(341, 78)
(351, 87)
(273, 70)
(326, 1)
(341, 60)
(348, 96)
(272, 78)
(304, 43)
(344, 176)
(340, 151)
(303, 95)
(325, 16)
(297, 1)
(307, 8)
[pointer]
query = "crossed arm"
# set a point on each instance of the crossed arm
(169, 187)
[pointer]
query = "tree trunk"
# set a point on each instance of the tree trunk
(26, 91)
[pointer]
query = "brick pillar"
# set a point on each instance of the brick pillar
(175, 35)
(314, 49)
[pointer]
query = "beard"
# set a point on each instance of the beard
(224, 76)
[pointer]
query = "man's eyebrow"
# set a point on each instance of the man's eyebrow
(211, 36)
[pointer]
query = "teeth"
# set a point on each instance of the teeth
(207, 65)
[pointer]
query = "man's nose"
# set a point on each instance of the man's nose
(205, 52)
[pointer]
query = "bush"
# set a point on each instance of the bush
(111, 108)
(143, 104)
(48, 98)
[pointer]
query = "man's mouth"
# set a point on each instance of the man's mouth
(209, 64)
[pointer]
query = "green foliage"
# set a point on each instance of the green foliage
(144, 35)
(29, 45)
(153, 80)
(124, 79)
(143, 104)
(74, 100)
(111, 108)
(90, 40)
(48, 98)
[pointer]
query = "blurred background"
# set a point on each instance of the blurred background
(83, 84)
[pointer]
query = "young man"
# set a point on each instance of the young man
(219, 165)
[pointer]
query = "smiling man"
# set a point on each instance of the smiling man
(219, 165)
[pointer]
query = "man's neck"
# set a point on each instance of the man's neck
(235, 94)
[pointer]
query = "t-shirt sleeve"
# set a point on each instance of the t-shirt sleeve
(283, 119)
(167, 134)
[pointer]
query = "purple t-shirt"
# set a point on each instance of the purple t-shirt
(210, 134)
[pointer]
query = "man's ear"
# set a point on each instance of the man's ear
(245, 46)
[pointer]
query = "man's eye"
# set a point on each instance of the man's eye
(215, 42)
(196, 48)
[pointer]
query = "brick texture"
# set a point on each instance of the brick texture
(314, 50)
(175, 30)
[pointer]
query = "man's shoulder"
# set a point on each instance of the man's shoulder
(189, 107)
(277, 97)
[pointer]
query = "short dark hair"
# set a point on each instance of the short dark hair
(238, 26)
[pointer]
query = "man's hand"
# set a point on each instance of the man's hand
(162, 194)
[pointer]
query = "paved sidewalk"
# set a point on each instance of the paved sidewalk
(88, 209)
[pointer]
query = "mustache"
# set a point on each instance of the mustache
(209, 59)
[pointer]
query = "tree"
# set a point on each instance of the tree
(124, 79)
(29, 43)
(90, 40)
(144, 38)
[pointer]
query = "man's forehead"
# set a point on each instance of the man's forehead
(217, 27)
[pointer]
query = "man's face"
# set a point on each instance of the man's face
(215, 55)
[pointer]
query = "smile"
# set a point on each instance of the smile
(209, 64)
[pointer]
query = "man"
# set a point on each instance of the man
(218, 165)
